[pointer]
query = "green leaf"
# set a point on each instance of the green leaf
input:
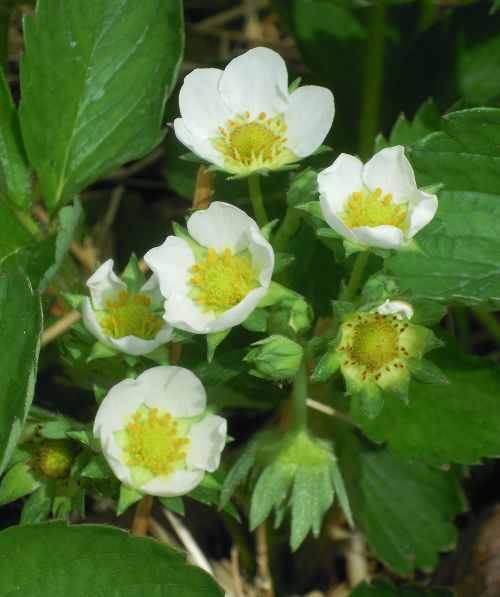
(94, 80)
(14, 170)
(127, 498)
(458, 422)
(20, 328)
(37, 506)
(69, 218)
(18, 482)
(405, 509)
(426, 121)
(57, 560)
(13, 235)
(460, 261)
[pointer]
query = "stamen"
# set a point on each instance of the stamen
(373, 209)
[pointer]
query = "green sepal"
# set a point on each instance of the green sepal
(200, 252)
(133, 276)
(432, 189)
(37, 506)
(371, 399)
(383, 253)
(301, 315)
(294, 85)
(97, 468)
(180, 336)
(314, 209)
(270, 491)
(159, 355)
(18, 482)
(75, 300)
(321, 149)
(276, 358)
(282, 261)
(342, 310)
(328, 364)
(256, 321)
(425, 371)
(84, 437)
(127, 498)
(350, 248)
(61, 506)
(192, 157)
(213, 341)
(327, 233)
(267, 230)
(56, 429)
(277, 293)
(101, 351)
(239, 471)
(339, 487)
(99, 393)
(175, 504)
(208, 492)
(412, 247)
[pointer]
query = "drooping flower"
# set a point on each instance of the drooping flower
(124, 314)
(215, 276)
(377, 204)
(378, 352)
(155, 432)
(244, 119)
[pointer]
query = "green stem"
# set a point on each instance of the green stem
(286, 230)
(490, 322)
(356, 276)
(372, 89)
(256, 199)
(299, 396)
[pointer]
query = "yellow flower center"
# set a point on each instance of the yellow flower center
(221, 281)
(373, 209)
(375, 342)
(129, 316)
(54, 458)
(153, 442)
(249, 144)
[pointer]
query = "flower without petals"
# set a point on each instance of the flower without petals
(122, 315)
(376, 204)
(244, 119)
(155, 433)
(215, 276)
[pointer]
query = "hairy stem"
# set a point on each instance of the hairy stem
(356, 276)
(299, 397)
(259, 210)
(372, 89)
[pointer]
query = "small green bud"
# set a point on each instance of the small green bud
(300, 315)
(54, 457)
(277, 358)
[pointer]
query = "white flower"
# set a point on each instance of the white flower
(375, 205)
(243, 118)
(215, 279)
(399, 309)
(122, 319)
(155, 433)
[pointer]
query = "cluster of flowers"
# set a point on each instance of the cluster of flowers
(155, 431)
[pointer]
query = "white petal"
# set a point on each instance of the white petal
(422, 213)
(171, 263)
(398, 308)
(221, 226)
(335, 222)
(183, 313)
(308, 118)
(174, 389)
(256, 82)
(151, 288)
(262, 256)
(113, 454)
(201, 104)
(238, 314)
(90, 321)
(208, 438)
(384, 237)
(104, 285)
(120, 402)
(391, 171)
(138, 346)
(174, 484)
(337, 183)
(201, 147)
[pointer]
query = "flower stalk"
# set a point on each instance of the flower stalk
(356, 276)
(256, 200)
(299, 396)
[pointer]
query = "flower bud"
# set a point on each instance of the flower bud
(277, 358)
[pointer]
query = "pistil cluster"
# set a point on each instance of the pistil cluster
(130, 316)
(374, 209)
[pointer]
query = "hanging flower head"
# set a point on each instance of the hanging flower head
(375, 205)
(155, 433)
(124, 313)
(215, 276)
(244, 119)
